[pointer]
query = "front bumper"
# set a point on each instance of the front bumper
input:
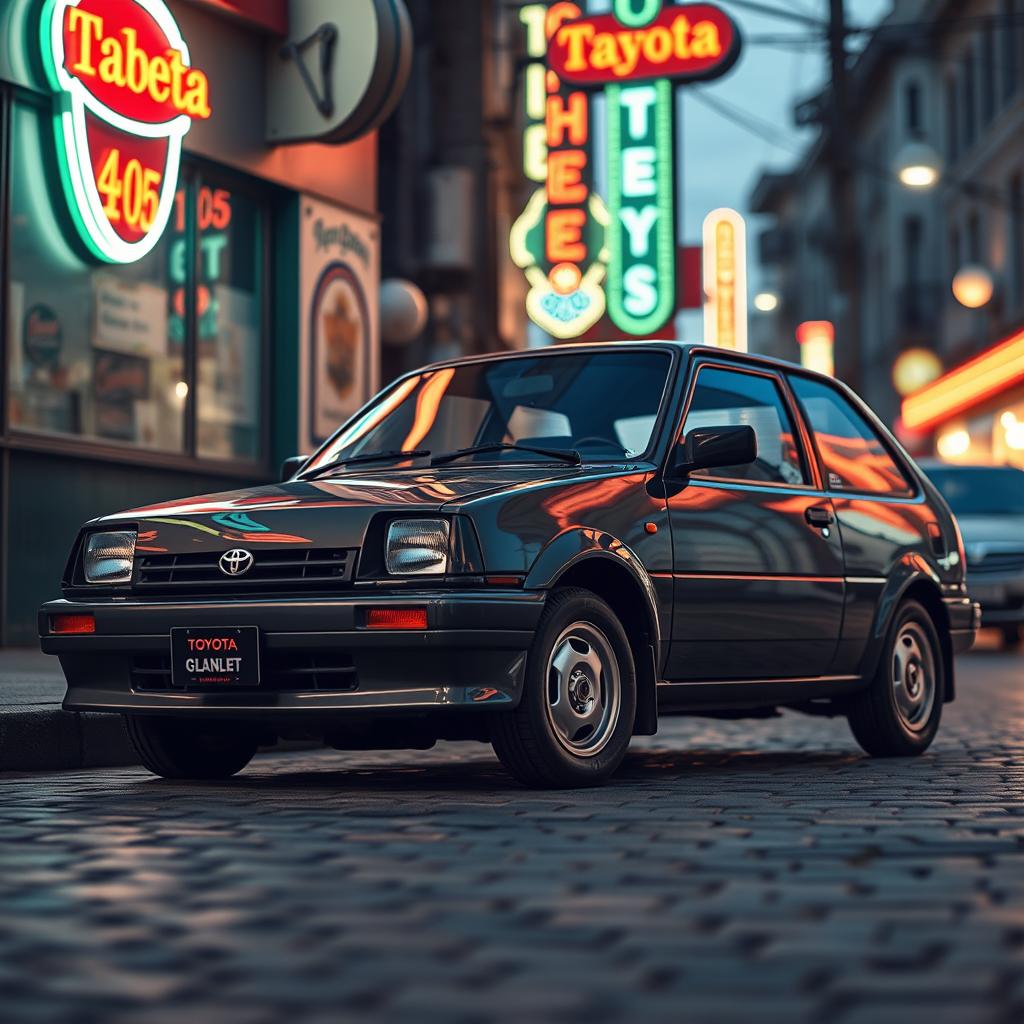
(472, 654)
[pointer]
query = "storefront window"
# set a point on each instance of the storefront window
(89, 346)
(133, 354)
(228, 317)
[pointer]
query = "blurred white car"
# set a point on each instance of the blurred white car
(988, 502)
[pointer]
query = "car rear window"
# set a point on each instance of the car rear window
(855, 457)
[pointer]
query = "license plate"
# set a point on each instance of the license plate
(214, 656)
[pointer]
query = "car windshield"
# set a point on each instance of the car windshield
(602, 404)
(988, 491)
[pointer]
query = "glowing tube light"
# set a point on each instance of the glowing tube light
(982, 377)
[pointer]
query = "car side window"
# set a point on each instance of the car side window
(731, 398)
(854, 456)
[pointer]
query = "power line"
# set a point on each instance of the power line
(769, 132)
(744, 119)
(771, 11)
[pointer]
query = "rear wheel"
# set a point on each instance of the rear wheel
(190, 750)
(575, 719)
(898, 714)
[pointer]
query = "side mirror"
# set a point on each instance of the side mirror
(710, 447)
(291, 466)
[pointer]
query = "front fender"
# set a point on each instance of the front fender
(579, 544)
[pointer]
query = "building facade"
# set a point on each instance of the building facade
(143, 364)
(451, 181)
(948, 77)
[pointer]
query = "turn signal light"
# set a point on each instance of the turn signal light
(72, 624)
(396, 618)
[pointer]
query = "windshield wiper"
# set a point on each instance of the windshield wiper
(571, 456)
(416, 453)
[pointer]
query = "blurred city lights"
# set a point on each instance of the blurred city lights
(817, 343)
(973, 286)
(766, 302)
(953, 443)
(918, 166)
(914, 369)
(964, 386)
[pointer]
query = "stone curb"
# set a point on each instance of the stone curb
(49, 739)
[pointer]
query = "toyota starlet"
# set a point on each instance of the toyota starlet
(548, 551)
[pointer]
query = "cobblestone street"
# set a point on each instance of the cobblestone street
(732, 872)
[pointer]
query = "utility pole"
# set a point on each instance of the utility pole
(847, 260)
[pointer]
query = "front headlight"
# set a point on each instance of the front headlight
(109, 556)
(417, 547)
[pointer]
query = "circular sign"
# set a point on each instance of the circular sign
(126, 96)
(341, 72)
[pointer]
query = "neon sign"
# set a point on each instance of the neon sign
(126, 96)
(686, 43)
(725, 280)
(558, 240)
(638, 54)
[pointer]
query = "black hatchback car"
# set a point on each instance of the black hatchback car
(547, 550)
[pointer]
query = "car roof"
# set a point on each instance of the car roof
(674, 347)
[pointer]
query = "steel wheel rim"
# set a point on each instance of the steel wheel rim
(583, 689)
(913, 676)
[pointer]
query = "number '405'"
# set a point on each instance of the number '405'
(130, 192)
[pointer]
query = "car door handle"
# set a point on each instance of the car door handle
(819, 516)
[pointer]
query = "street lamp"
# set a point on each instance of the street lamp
(766, 302)
(918, 166)
(973, 286)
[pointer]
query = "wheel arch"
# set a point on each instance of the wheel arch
(925, 591)
(609, 569)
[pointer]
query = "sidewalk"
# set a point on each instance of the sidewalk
(35, 734)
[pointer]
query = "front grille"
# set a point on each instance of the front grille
(276, 570)
(280, 672)
(997, 561)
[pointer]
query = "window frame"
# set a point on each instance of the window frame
(194, 171)
(809, 465)
(666, 403)
(915, 492)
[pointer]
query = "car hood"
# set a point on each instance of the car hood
(984, 535)
(1005, 530)
(322, 513)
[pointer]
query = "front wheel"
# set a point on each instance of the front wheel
(575, 719)
(898, 714)
(179, 749)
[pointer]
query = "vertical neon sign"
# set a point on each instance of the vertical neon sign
(638, 54)
(641, 205)
(558, 241)
(725, 280)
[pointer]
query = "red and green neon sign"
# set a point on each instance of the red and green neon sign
(559, 240)
(637, 55)
(126, 96)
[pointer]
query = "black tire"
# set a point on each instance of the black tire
(882, 717)
(177, 749)
(1010, 637)
(528, 740)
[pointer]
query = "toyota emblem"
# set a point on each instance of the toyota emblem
(236, 562)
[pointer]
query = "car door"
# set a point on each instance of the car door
(882, 517)
(757, 563)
